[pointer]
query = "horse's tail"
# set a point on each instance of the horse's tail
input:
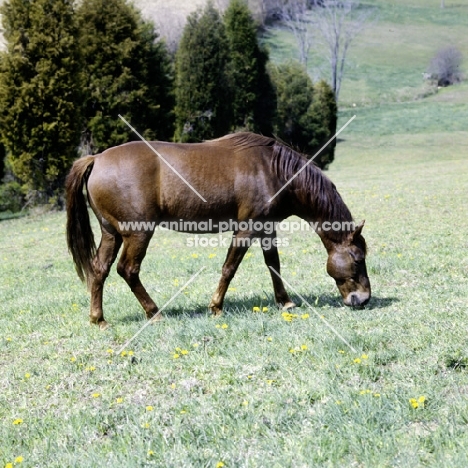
(80, 238)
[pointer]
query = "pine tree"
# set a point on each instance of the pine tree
(254, 99)
(127, 72)
(40, 92)
(203, 92)
(306, 114)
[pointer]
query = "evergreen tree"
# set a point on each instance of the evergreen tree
(40, 92)
(127, 72)
(306, 114)
(254, 99)
(203, 95)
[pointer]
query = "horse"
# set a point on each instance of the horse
(241, 177)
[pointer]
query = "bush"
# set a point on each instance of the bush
(445, 67)
(11, 197)
(306, 114)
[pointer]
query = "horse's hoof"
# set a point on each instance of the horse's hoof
(216, 311)
(289, 305)
(157, 317)
(103, 325)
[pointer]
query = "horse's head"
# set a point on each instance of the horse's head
(347, 266)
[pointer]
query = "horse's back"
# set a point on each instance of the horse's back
(136, 182)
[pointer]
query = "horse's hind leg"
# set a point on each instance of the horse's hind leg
(134, 251)
(271, 257)
(102, 262)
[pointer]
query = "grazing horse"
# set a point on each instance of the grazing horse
(238, 176)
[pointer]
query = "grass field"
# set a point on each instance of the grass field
(251, 389)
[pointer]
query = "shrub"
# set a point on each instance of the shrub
(445, 67)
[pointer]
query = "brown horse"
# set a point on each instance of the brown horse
(237, 175)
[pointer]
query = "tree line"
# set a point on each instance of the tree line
(68, 71)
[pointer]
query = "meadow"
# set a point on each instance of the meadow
(254, 387)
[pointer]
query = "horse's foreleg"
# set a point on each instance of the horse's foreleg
(239, 246)
(102, 262)
(270, 254)
(134, 251)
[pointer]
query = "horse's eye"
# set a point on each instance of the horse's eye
(340, 282)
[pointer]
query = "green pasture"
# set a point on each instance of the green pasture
(250, 388)
(386, 61)
(255, 389)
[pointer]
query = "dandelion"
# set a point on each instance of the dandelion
(17, 422)
(269, 338)
(73, 359)
(176, 356)
(145, 425)
(304, 347)
(183, 412)
(9, 465)
(224, 326)
(341, 351)
(212, 255)
(357, 361)
(183, 352)
(90, 369)
(131, 353)
(27, 375)
(123, 353)
(305, 316)
(96, 395)
(8, 338)
(364, 392)
(149, 408)
(173, 385)
(119, 400)
(150, 453)
(364, 356)
(256, 309)
(269, 381)
(196, 345)
(245, 403)
(194, 255)
(110, 351)
(377, 395)
(232, 289)
(219, 464)
(264, 309)
(413, 402)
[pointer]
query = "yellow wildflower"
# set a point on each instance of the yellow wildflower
(357, 361)
(224, 326)
(149, 408)
(256, 309)
(264, 309)
(18, 421)
(305, 316)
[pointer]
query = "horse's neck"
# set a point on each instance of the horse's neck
(330, 218)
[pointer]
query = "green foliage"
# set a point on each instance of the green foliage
(11, 197)
(306, 114)
(203, 92)
(40, 91)
(127, 72)
(254, 99)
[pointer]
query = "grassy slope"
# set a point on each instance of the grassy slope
(238, 396)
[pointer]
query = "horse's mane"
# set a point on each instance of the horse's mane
(312, 186)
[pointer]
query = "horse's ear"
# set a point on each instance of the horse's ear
(357, 232)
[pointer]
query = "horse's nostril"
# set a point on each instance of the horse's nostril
(354, 300)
